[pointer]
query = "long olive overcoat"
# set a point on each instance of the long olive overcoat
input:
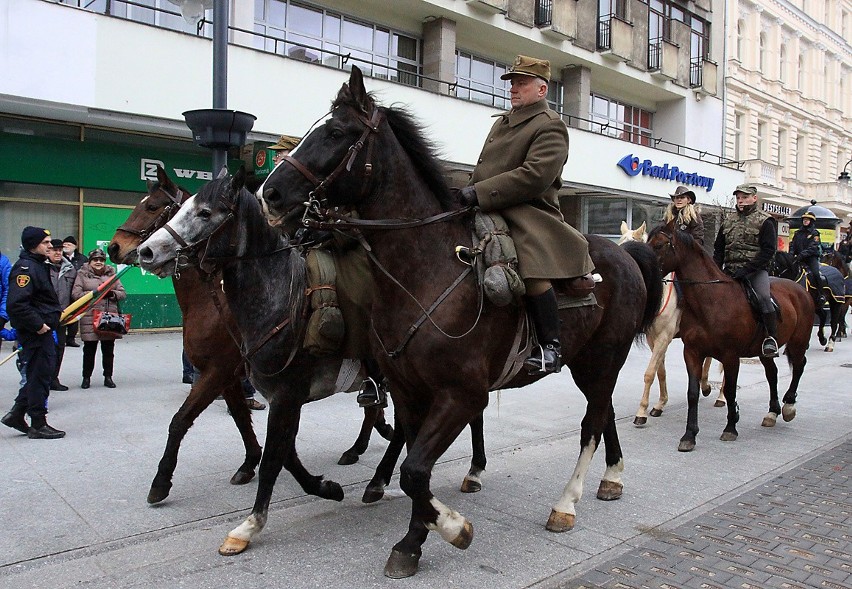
(87, 281)
(519, 174)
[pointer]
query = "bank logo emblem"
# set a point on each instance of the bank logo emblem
(149, 171)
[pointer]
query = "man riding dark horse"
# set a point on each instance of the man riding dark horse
(744, 247)
(805, 247)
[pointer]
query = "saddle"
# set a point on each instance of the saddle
(754, 302)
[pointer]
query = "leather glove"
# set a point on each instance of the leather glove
(740, 274)
(466, 196)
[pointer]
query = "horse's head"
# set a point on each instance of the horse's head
(670, 244)
(359, 149)
(163, 200)
(784, 265)
(335, 163)
(207, 213)
(628, 234)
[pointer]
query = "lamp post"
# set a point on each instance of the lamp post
(844, 175)
(217, 128)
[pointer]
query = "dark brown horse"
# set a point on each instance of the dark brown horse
(441, 346)
(835, 260)
(208, 344)
(718, 322)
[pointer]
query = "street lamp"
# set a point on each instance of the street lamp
(217, 128)
(844, 175)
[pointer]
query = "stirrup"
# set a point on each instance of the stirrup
(536, 363)
(769, 349)
(371, 394)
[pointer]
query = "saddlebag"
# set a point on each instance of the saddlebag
(501, 281)
(325, 330)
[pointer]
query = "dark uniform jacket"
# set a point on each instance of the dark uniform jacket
(805, 243)
(32, 301)
(519, 174)
(746, 242)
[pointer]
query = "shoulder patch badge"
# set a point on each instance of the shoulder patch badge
(22, 280)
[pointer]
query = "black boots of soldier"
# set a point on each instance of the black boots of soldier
(547, 356)
(769, 349)
(372, 389)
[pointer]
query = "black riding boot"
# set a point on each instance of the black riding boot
(547, 357)
(770, 346)
(372, 389)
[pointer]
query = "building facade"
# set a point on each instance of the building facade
(95, 98)
(789, 101)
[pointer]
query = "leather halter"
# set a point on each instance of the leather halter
(320, 186)
(167, 213)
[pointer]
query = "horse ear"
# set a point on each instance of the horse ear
(359, 93)
(639, 234)
(162, 177)
(624, 228)
(239, 179)
(223, 173)
(150, 184)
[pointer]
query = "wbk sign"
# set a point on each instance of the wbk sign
(149, 171)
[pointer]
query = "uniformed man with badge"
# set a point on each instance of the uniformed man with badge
(519, 174)
(34, 310)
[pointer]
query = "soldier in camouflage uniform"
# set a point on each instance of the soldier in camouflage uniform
(744, 247)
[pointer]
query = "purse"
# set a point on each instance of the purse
(111, 325)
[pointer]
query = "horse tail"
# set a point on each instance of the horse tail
(644, 256)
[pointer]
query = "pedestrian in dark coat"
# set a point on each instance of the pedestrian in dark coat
(519, 174)
(34, 312)
(69, 250)
(91, 275)
(62, 275)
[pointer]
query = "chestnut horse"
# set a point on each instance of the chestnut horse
(661, 333)
(441, 344)
(718, 322)
(208, 343)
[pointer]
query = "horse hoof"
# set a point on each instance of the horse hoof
(157, 494)
(788, 412)
(686, 446)
(728, 436)
(769, 420)
(465, 537)
(241, 478)
(372, 494)
(610, 491)
(829, 348)
(560, 522)
(348, 458)
(330, 490)
(656, 412)
(232, 546)
(719, 403)
(640, 421)
(470, 485)
(400, 566)
(706, 391)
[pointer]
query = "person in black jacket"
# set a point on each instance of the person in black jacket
(34, 310)
(70, 253)
(805, 246)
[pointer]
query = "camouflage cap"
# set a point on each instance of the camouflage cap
(529, 66)
(285, 142)
(746, 189)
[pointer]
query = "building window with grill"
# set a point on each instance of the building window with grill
(543, 13)
(607, 9)
(620, 120)
(321, 36)
(699, 50)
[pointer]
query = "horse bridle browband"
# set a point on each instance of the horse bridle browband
(161, 220)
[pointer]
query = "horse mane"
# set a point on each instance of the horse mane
(411, 137)
(684, 237)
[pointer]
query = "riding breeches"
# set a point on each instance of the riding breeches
(811, 266)
(759, 280)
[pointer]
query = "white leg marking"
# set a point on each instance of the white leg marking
(574, 489)
(248, 529)
(613, 473)
(449, 524)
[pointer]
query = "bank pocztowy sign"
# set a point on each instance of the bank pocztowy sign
(633, 167)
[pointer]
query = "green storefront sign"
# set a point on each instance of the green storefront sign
(58, 162)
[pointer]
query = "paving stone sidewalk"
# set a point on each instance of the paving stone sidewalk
(792, 532)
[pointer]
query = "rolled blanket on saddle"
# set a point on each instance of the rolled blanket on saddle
(500, 279)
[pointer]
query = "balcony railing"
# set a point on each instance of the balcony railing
(696, 72)
(276, 45)
(655, 52)
(543, 13)
(604, 39)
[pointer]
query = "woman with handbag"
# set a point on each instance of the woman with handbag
(91, 275)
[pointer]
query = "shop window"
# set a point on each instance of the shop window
(604, 215)
(60, 220)
(38, 192)
(112, 197)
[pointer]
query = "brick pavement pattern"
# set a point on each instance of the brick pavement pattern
(793, 532)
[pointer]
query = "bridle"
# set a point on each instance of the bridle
(317, 197)
(160, 220)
